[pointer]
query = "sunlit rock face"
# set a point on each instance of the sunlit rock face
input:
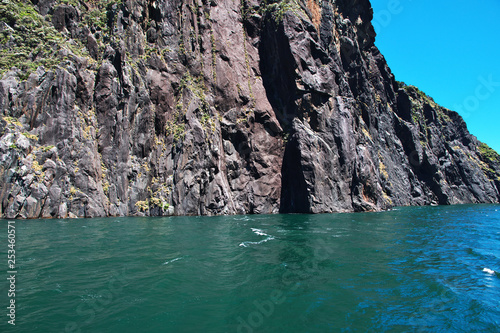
(219, 107)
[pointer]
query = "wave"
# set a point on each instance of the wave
(259, 232)
(246, 244)
(170, 261)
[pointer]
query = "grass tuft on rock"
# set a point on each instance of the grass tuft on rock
(488, 154)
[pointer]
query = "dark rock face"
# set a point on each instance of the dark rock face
(205, 108)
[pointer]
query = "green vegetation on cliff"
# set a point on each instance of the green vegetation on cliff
(27, 40)
(488, 154)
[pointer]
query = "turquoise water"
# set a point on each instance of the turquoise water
(408, 270)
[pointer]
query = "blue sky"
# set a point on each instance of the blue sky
(451, 51)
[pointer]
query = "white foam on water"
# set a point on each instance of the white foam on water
(489, 271)
(170, 261)
(259, 232)
(246, 244)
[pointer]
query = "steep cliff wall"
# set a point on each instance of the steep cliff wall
(218, 107)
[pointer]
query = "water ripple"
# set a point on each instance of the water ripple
(412, 269)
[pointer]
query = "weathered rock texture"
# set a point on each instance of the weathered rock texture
(160, 107)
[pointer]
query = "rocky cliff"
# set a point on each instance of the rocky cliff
(161, 107)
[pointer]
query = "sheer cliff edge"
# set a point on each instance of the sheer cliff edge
(115, 108)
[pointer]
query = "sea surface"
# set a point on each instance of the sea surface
(423, 269)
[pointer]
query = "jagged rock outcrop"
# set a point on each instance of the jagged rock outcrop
(161, 107)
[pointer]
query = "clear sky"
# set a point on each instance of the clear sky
(451, 51)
